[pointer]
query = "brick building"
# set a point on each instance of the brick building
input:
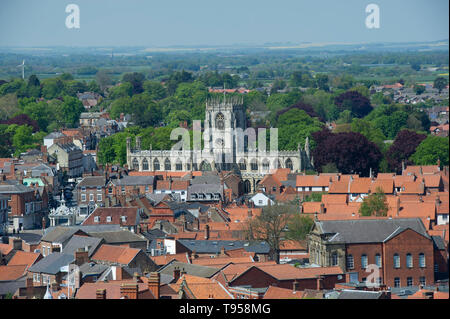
(400, 248)
(91, 191)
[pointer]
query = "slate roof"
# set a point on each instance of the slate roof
(359, 294)
(438, 242)
(13, 188)
(133, 180)
(205, 188)
(29, 238)
(112, 237)
(215, 246)
(11, 286)
(52, 263)
(92, 181)
(59, 234)
(77, 242)
(53, 135)
(369, 230)
(92, 268)
(68, 147)
(206, 179)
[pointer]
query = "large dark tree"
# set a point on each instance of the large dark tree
(355, 102)
(136, 79)
(404, 146)
(301, 106)
(22, 119)
(440, 83)
(351, 152)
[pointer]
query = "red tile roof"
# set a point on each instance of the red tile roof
(313, 180)
(116, 254)
(24, 258)
(282, 293)
(116, 213)
(12, 272)
(203, 288)
(5, 249)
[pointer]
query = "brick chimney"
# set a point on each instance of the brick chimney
(398, 206)
(129, 291)
(322, 208)
(319, 282)
(249, 214)
(15, 243)
(176, 274)
(295, 286)
(81, 256)
(438, 201)
(29, 287)
(153, 284)
(206, 232)
(100, 294)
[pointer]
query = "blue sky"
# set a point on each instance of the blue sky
(149, 23)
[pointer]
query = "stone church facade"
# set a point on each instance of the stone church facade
(228, 145)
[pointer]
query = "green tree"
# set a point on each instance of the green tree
(419, 89)
(270, 227)
(22, 138)
(299, 227)
(440, 83)
(103, 78)
(366, 128)
(322, 82)
(432, 149)
(293, 128)
(123, 90)
(52, 88)
(156, 90)
(71, 109)
(375, 204)
(121, 105)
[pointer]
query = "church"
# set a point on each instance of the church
(228, 146)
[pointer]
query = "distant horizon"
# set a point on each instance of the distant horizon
(288, 44)
(210, 23)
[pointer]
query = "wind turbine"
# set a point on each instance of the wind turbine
(23, 69)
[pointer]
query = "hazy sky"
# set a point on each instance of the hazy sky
(212, 22)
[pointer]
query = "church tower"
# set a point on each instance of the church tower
(223, 116)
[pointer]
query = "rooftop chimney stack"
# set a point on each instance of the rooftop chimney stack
(100, 294)
(154, 283)
(176, 274)
(129, 291)
(206, 232)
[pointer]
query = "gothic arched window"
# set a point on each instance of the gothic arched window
(289, 163)
(135, 164)
(145, 165)
(156, 165)
(220, 121)
(167, 165)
